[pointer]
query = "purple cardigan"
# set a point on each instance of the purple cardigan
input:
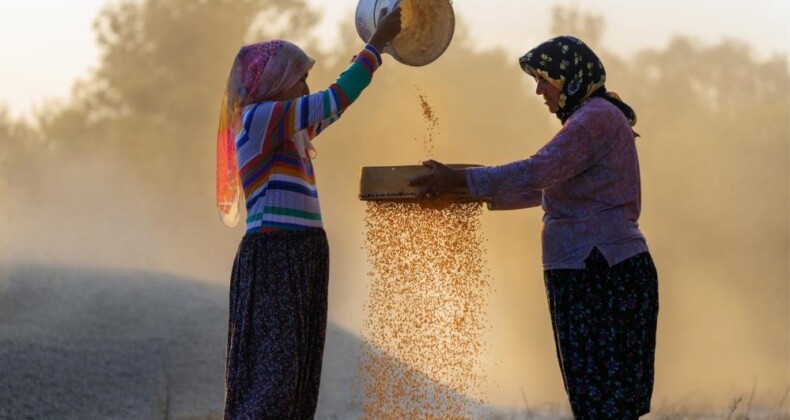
(587, 181)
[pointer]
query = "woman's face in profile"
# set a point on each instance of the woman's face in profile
(299, 89)
(550, 93)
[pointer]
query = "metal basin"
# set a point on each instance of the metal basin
(427, 28)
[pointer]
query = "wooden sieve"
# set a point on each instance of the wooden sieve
(391, 183)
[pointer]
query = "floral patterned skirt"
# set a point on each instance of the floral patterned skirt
(604, 321)
(277, 325)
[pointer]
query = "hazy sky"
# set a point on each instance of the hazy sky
(47, 44)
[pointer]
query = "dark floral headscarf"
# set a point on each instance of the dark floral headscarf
(573, 68)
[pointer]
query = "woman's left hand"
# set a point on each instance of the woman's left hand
(388, 28)
(439, 181)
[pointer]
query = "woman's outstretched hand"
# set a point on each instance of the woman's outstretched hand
(388, 28)
(441, 180)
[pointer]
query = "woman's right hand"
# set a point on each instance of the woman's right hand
(441, 180)
(388, 28)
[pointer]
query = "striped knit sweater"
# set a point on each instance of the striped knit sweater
(279, 184)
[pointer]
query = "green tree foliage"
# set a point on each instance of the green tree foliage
(154, 99)
(585, 26)
(162, 60)
(18, 144)
(153, 103)
(726, 115)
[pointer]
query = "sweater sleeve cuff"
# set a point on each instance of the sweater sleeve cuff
(479, 181)
(369, 58)
(375, 52)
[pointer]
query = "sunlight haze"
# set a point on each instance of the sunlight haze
(110, 244)
(50, 43)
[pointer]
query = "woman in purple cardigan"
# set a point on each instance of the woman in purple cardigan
(601, 283)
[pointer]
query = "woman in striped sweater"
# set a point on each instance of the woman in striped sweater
(278, 290)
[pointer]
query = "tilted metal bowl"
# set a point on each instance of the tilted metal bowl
(427, 28)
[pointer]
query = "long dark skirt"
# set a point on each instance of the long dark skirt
(277, 325)
(604, 322)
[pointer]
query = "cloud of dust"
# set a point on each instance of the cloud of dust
(101, 214)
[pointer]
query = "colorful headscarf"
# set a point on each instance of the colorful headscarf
(573, 68)
(260, 72)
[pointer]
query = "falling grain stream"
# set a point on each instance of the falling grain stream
(425, 315)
